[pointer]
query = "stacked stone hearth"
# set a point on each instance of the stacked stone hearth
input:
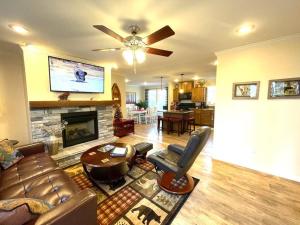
(70, 155)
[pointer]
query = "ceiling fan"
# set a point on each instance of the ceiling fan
(136, 46)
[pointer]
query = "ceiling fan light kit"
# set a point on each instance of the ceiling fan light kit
(135, 46)
(134, 55)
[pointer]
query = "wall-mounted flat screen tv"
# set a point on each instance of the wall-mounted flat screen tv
(67, 75)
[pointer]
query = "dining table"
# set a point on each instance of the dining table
(139, 113)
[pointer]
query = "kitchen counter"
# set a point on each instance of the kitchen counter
(183, 115)
(204, 117)
(178, 112)
(205, 109)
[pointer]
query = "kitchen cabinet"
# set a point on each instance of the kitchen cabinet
(187, 86)
(176, 95)
(204, 117)
(199, 94)
(197, 116)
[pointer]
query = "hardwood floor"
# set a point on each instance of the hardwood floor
(229, 194)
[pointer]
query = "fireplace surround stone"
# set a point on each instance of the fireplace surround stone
(41, 117)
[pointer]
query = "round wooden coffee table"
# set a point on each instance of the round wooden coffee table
(103, 168)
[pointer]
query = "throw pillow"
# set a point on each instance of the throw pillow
(8, 154)
(21, 210)
(17, 216)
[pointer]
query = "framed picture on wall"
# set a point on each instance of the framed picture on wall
(130, 97)
(245, 90)
(284, 88)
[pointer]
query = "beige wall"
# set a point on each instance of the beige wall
(37, 77)
(139, 90)
(13, 100)
(260, 134)
(119, 80)
(171, 86)
(210, 83)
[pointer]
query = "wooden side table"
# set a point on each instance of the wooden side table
(123, 127)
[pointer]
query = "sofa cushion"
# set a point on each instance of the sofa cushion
(8, 154)
(27, 168)
(54, 187)
(17, 216)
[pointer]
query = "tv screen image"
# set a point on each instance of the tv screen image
(67, 75)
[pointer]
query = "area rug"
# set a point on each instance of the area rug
(138, 201)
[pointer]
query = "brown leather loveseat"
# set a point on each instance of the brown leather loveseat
(37, 176)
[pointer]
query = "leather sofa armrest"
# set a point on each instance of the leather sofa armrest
(31, 149)
(176, 148)
(80, 209)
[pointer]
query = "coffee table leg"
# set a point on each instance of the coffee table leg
(85, 170)
(113, 185)
(89, 175)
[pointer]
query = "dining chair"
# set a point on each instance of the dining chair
(154, 115)
(132, 116)
(147, 117)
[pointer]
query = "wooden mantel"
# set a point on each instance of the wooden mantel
(69, 103)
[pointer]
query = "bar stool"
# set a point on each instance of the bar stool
(162, 120)
(190, 122)
(172, 121)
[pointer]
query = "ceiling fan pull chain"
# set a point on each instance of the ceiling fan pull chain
(134, 62)
(134, 68)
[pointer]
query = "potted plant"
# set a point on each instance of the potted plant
(142, 105)
(118, 113)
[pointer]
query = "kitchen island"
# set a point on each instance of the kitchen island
(205, 117)
(180, 114)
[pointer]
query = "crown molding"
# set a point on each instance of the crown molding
(257, 44)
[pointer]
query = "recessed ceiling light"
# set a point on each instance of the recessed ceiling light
(126, 80)
(245, 29)
(145, 83)
(176, 80)
(18, 29)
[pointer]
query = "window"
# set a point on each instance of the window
(130, 97)
(157, 98)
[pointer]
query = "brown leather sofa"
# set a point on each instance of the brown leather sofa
(37, 176)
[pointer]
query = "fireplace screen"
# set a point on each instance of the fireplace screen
(81, 127)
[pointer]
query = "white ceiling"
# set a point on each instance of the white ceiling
(202, 27)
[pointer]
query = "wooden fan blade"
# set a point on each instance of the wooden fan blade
(157, 51)
(106, 49)
(159, 35)
(109, 32)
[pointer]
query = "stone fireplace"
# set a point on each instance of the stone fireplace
(88, 126)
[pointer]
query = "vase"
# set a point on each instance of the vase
(53, 145)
